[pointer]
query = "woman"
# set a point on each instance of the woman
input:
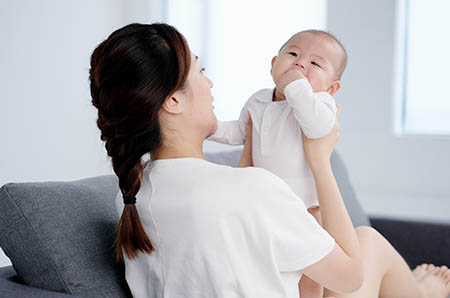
(190, 228)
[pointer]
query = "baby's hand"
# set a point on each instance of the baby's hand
(290, 76)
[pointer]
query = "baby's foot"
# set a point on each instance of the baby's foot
(435, 282)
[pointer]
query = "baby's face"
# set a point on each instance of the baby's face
(316, 56)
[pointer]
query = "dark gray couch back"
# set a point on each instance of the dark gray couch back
(59, 235)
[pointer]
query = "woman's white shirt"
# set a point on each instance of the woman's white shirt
(221, 232)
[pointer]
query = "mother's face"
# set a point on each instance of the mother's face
(189, 110)
(198, 91)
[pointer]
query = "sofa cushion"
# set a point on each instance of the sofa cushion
(59, 235)
(354, 208)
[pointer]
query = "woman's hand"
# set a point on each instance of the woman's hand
(246, 158)
(318, 151)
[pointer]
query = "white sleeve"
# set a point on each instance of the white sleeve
(296, 239)
(315, 112)
(232, 132)
(228, 132)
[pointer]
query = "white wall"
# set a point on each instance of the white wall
(386, 169)
(47, 124)
(237, 45)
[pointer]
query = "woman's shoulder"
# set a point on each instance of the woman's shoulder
(203, 177)
(254, 174)
(251, 181)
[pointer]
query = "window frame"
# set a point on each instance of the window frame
(400, 76)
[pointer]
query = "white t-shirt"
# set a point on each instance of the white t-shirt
(221, 232)
(277, 133)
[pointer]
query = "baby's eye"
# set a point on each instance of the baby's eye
(202, 70)
(294, 54)
(315, 64)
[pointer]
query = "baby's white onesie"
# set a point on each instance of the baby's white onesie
(277, 132)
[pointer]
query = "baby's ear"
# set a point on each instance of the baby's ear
(334, 87)
(272, 63)
(273, 60)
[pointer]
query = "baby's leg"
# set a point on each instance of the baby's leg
(315, 211)
(307, 287)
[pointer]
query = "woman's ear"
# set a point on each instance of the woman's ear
(172, 105)
(335, 86)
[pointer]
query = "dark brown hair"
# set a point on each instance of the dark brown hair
(132, 73)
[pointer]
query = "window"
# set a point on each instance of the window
(425, 64)
(236, 40)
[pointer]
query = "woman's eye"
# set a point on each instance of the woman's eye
(294, 54)
(315, 64)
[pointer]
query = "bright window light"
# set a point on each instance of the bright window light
(426, 102)
(236, 40)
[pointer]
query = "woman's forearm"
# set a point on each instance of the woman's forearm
(335, 218)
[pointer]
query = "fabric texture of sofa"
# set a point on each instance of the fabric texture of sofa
(59, 235)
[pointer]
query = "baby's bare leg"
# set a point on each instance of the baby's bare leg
(307, 287)
(387, 275)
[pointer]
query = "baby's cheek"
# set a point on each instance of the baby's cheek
(317, 82)
(316, 86)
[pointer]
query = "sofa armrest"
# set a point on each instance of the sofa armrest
(11, 287)
(417, 242)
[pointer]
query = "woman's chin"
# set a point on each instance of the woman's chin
(213, 130)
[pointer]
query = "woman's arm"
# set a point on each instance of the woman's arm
(341, 270)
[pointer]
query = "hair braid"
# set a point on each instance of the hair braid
(132, 73)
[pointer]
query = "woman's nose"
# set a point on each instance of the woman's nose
(210, 83)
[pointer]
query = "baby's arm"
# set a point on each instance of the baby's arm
(315, 112)
(247, 157)
(232, 132)
(228, 132)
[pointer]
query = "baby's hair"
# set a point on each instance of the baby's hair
(343, 63)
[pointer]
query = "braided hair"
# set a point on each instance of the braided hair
(131, 75)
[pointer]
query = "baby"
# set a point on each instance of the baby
(306, 73)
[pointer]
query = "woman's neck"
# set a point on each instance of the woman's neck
(179, 149)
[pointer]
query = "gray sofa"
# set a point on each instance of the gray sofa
(59, 235)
